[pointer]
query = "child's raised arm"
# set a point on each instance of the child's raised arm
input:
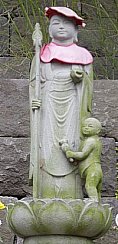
(87, 149)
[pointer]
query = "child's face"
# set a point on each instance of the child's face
(62, 28)
(90, 128)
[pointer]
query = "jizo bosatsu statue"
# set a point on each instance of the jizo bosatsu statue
(65, 147)
(59, 105)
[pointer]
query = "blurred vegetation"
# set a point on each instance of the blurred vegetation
(103, 20)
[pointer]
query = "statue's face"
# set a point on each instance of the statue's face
(62, 28)
(90, 127)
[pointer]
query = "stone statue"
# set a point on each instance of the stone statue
(60, 104)
(88, 157)
(66, 94)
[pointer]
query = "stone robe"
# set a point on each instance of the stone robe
(64, 106)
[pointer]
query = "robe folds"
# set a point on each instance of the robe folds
(64, 106)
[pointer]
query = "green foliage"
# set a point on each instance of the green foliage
(108, 35)
(95, 13)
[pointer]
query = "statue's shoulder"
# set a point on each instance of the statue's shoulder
(90, 141)
(84, 52)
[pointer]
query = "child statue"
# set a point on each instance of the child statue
(88, 158)
(66, 94)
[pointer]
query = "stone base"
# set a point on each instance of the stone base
(68, 219)
(56, 239)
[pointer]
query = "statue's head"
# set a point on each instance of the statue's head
(91, 127)
(64, 23)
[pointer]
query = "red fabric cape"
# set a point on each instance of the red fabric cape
(71, 54)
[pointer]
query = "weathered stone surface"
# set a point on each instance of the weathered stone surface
(14, 108)
(112, 235)
(99, 68)
(4, 36)
(104, 69)
(5, 233)
(57, 239)
(110, 238)
(105, 100)
(14, 68)
(19, 240)
(108, 162)
(55, 217)
(14, 166)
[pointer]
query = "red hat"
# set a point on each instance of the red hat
(50, 11)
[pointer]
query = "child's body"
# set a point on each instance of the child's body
(89, 158)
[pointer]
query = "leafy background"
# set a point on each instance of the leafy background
(100, 36)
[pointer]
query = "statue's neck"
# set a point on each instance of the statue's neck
(63, 42)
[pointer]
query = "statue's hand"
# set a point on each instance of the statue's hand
(64, 145)
(36, 103)
(69, 154)
(77, 75)
(65, 148)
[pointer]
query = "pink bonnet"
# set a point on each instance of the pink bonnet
(50, 11)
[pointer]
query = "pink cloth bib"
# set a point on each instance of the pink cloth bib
(71, 54)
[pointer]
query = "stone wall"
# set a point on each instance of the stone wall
(14, 106)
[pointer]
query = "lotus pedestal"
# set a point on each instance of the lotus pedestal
(57, 221)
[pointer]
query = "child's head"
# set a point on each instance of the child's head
(91, 126)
